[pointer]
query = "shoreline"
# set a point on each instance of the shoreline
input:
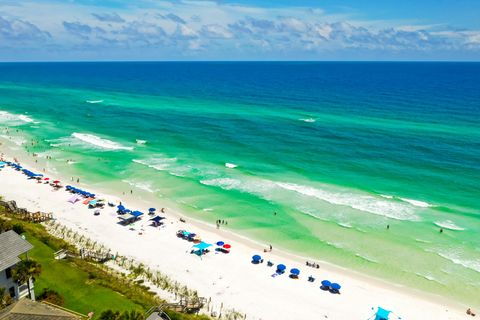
(247, 248)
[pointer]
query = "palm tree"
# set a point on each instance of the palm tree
(24, 270)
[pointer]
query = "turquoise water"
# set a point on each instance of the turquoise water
(338, 150)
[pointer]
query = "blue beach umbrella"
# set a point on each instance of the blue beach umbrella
(281, 268)
(335, 286)
(220, 243)
(152, 209)
(295, 271)
(256, 257)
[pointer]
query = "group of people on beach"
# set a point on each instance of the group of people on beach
(313, 265)
(219, 222)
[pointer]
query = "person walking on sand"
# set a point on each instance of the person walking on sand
(271, 248)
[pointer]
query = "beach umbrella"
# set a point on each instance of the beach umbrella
(220, 243)
(335, 286)
(56, 181)
(256, 257)
(281, 267)
(46, 179)
(326, 283)
(227, 246)
(295, 271)
(152, 209)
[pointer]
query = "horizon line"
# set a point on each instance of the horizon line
(239, 61)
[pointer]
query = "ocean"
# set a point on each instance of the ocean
(360, 164)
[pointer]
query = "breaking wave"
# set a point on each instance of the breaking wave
(11, 119)
(94, 101)
(309, 120)
(88, 140)
(360, 202)
(448, 224)
(417, 203)
(455, 257)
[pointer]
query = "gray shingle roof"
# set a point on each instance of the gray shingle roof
(11, 246)
(30, 310)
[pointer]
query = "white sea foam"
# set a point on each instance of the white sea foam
(25, 118)
(422, 241)
(11, 119)
(345, 225)
(19, 141)
(386, 196)
(141, 185)
(99, 142)
(230, 165)
(428, 277)
(417, 203)
(94, 101)
(309, 120)
(141, 141)
(360, 202)
(455, 257)
(88, 140)
(157, 163)
(448, 224)
(363, 257)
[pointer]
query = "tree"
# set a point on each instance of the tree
(24, 270)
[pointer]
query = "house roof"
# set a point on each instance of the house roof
(11, 246)
(26, 309)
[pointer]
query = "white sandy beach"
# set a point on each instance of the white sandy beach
(230, 279)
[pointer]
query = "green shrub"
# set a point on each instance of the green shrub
(51, 296)
(18, 228)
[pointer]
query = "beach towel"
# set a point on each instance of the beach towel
(87, 200)
(74, 199)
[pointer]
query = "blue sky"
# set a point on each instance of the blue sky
(53, 30)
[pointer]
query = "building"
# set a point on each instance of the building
(12, 246)
(30, 310)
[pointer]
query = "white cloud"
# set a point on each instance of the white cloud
(209, 26)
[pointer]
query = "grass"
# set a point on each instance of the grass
(81, 294)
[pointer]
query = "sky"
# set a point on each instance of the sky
(111, 30)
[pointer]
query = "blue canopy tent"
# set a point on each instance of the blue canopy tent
(201, 248)
(157, 220)
(256, 259)
(382, 314)
(281, 268)
(202, 245)
(136, 214)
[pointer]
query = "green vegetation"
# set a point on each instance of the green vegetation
(80, 285)
(24, 270)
